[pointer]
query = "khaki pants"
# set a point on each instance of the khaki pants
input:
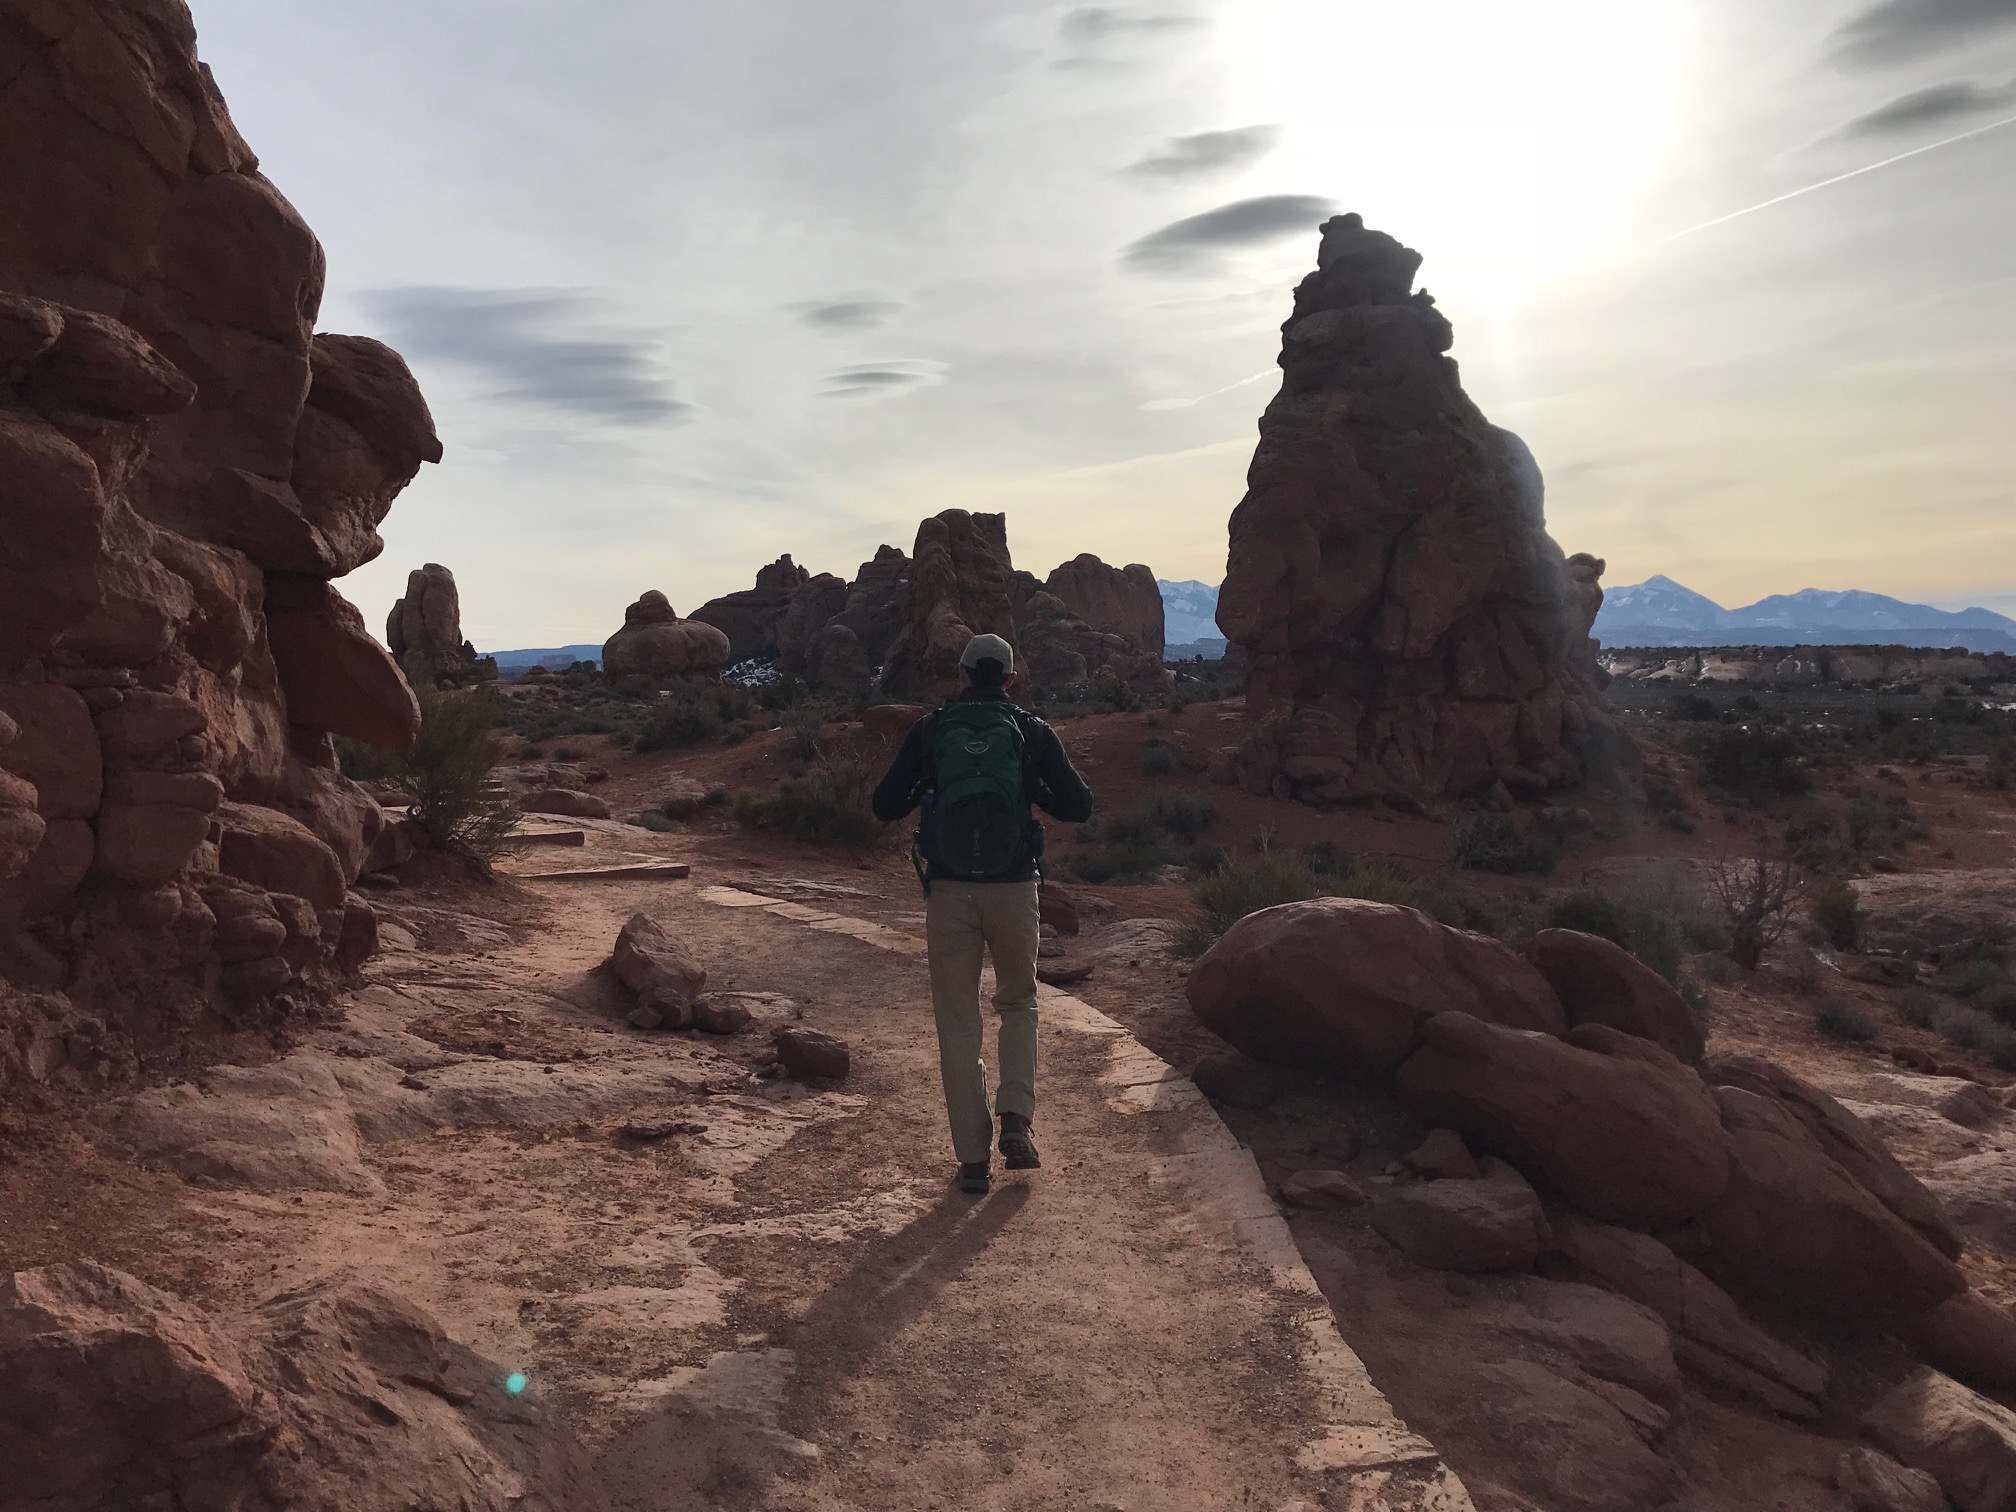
(959, 920)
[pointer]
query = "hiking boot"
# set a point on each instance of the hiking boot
(974, 1178)
(1018, 1150)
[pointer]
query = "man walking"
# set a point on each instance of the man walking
(975, 766)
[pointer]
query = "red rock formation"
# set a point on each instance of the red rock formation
(958, 589)
(1123, 601)
(424, 632)
(184, 465)
(655, 642)
(849, 647)
(1412, 629)
(751, 617)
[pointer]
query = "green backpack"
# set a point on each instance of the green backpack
(977, 824)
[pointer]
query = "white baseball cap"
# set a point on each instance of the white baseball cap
(988, 648)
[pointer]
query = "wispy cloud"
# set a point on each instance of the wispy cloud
(849, 314)
(1934, 106)
(900, 376)
(1243, 223)
(1154, 406)
(1104, 38)
(1209, 152)
(1899, 29)
(542, 347)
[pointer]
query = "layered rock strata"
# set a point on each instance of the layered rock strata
(1411, 627)
(184, 466)
(424, 632)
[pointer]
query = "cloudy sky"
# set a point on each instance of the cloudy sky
(690, 283)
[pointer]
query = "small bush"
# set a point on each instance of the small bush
(569, 753)
(446, 774)
(1844, 1020)
(1158, 759)
(788, 692)
(1490, 843)
(660, 824)
(1112, 695)
(1183, 814)
(1836, 910)
(365, 763)
(1636, 922)
(1969, 1028)
(1803, 971)
(1327, 858)
(829, 804)
(1242, 887)
(1753, 763)
(1717, 968)
(1375, 882)
(1694, 708)
(1916, 1007)
(801, 734)
(676, 724)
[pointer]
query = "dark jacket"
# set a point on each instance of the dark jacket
(1060, 791)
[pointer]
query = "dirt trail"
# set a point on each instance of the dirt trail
(782, 1303)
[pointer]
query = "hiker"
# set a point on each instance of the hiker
(975, 766)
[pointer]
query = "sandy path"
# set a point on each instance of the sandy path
(793, 1309)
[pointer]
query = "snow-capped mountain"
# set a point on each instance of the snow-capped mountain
(1189, 613)
(1661, 612)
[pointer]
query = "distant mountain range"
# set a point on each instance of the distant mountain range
(559, 658)
(1661, 612)
(1190, 620)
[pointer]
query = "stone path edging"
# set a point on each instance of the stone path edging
(1380, 1463)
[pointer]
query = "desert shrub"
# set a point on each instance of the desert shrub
(660, 824)
(1664, 798)
(677, 723)
(1803, 971)
(786, 693)
(569, 753)
(1916, 1007)
(1694, 708)
(732, 703)
(801, 734)
(1185, 814)
(1717, 968)
(1845, 1020)
(1158, 759)
(1698, 1002)
(1491, 843)
(1753, 763)
(1327, 858)
(736, 731)
(1836, 911)
(446, 774)
(1241, 887)
(1756, 897)
(1376, 882)
(1111, 693)
(829, 804)
(531, 753)
(365, 763)
(1969, 1028)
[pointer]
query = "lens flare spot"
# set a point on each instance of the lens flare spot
(515, 1382)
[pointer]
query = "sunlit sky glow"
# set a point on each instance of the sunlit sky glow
(692, 285)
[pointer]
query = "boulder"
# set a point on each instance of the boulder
(564, 801)
(1849, 1142)
(648, 960)
(1411, 627)
(55, 747)
(1601, 1335)
(1443, 1156)
(115, 1394)
(1059, 908)
(1962, 1440)
(1623, 1129)
(1123, 601)
(1322, 1190)
(655, 642)
(424, 632)
(721, 1015)
(1233, 1079)
(1348, 985)
(1594, 1459)
(21, 827)
(811, 1056)
(1797, 1231)
(751, 619)
(271, 851)
(1710, 1334)
(958, 588)
(1875, 1482)
(1971, 1339)
(54, 870)
(357, 941)
(1599, 982)
(1978, 1194)
(1475, 1225)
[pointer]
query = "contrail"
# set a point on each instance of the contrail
(1843, 177)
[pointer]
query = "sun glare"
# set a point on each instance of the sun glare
(1508, 140)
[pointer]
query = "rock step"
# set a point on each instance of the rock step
(610, 866)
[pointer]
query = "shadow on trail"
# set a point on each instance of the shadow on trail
(726, 1456)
